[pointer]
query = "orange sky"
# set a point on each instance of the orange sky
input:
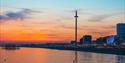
(37, 32)
(56, 24)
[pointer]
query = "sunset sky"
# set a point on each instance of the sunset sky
(53, 20)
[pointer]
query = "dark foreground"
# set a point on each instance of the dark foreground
(116, 51)
(95, 50)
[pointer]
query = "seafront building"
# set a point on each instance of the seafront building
(112, 40)
(121, 32)
(87, 39)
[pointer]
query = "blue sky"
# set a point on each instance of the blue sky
(57, 4)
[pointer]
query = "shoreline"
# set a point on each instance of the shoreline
(94, 50)
(115, 51)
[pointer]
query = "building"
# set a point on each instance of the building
(101, 40)
(74, 43)
(121, 31)
(110, 39)
(87, 39)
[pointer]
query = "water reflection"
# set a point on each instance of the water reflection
(39, 55)
(120, 59)
(11, 48)
(95, 58)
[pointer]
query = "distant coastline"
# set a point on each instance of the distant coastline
(116, 51)
(95, 50)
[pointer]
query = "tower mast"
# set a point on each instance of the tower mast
(76, 16)
(76, 58)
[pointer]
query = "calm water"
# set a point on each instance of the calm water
(39, 55)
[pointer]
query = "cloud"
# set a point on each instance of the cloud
(72, 27)
(2, 17)
(109, 27)
(97, 32)
(22, 14)
(100, 18)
